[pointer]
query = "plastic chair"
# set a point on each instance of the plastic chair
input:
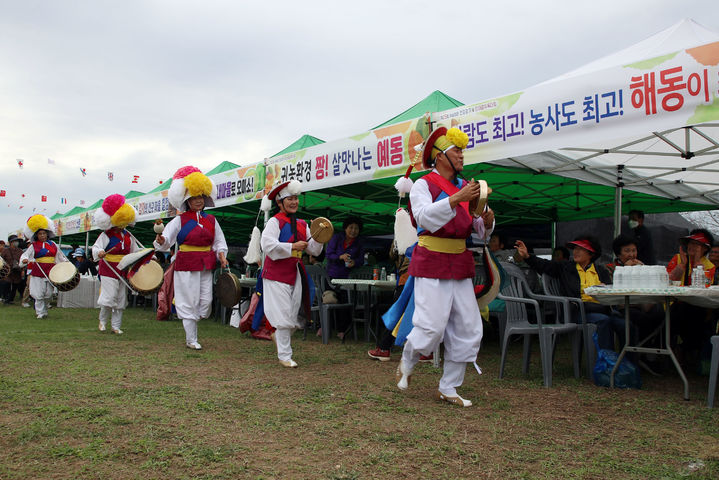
(321, 281)
(713, 371)
(517, 295)
(551, 287)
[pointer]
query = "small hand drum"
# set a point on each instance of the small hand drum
(476, 206)
(147, 279)
(64, 276)
(321, 229)
(228, 289)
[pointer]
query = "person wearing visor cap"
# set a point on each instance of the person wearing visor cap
(82, 263)
(575, 276)
(442, 269)
(693, 324)
(285, 284)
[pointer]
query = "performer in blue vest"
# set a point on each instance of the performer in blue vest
(445, 304)
(201, 244)
(285, 284)
(43, 253)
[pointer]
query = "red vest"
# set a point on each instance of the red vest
(285, 269)
(193, 234)
(43, 250)
(430, 264)
(119, 244)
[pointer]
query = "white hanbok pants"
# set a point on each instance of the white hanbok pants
(112, 301)
(41, 290)
(282, 303)
(445, 310)
(193, 299)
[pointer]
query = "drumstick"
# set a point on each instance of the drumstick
(118, 275)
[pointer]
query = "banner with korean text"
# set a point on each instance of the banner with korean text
(653, 95)
(232, 186)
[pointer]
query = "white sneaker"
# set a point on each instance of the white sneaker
(101, 327)
(39, 317)
(462, 402)
(194, 346)
(26, 305)
(117, 331)
(288, 363)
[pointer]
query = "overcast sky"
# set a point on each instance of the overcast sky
(144, 87)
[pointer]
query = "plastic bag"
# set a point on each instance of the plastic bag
(235, 317)
(626, 376)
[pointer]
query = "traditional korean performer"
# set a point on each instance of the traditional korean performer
(285, 284)
(113, 217)
(445, 306)
(42, 254)
(201, 244)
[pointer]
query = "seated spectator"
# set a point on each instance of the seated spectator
(82, 264)
(645, 317)
(344, 253)
(497, 245)
(575, 276)
(560, 254)
(625, 253)
(694, 325)
(714, 258)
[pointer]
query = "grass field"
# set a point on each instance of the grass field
(77, 403)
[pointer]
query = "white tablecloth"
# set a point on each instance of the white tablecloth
(83, 296)
(702, 297)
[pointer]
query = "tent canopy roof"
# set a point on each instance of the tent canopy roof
(303, 142)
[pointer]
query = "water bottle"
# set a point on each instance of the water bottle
(701, 278)
(618, 277)
(383, 274)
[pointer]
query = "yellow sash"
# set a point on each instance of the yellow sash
(297, 253)
(442, 245)
(45, 260)
(194, 248)
(113, 258)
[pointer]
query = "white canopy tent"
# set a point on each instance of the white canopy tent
(645, 118)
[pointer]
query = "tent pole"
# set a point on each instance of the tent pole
(554, 235)
(618, 203)
(87, 240)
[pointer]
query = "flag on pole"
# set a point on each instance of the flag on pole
(82, 170)
(110, 176)
(20, 162)
(3, 193)
(135, 178)
(50, 161)
(63, 200)
(160, 182)
(43, 198)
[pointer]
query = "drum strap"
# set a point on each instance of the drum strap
(114, 258)
(45, 260)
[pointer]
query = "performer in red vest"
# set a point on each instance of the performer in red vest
(43, 254)
(445, 304)
(114, 216)
(200, 244)
(283, 240)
